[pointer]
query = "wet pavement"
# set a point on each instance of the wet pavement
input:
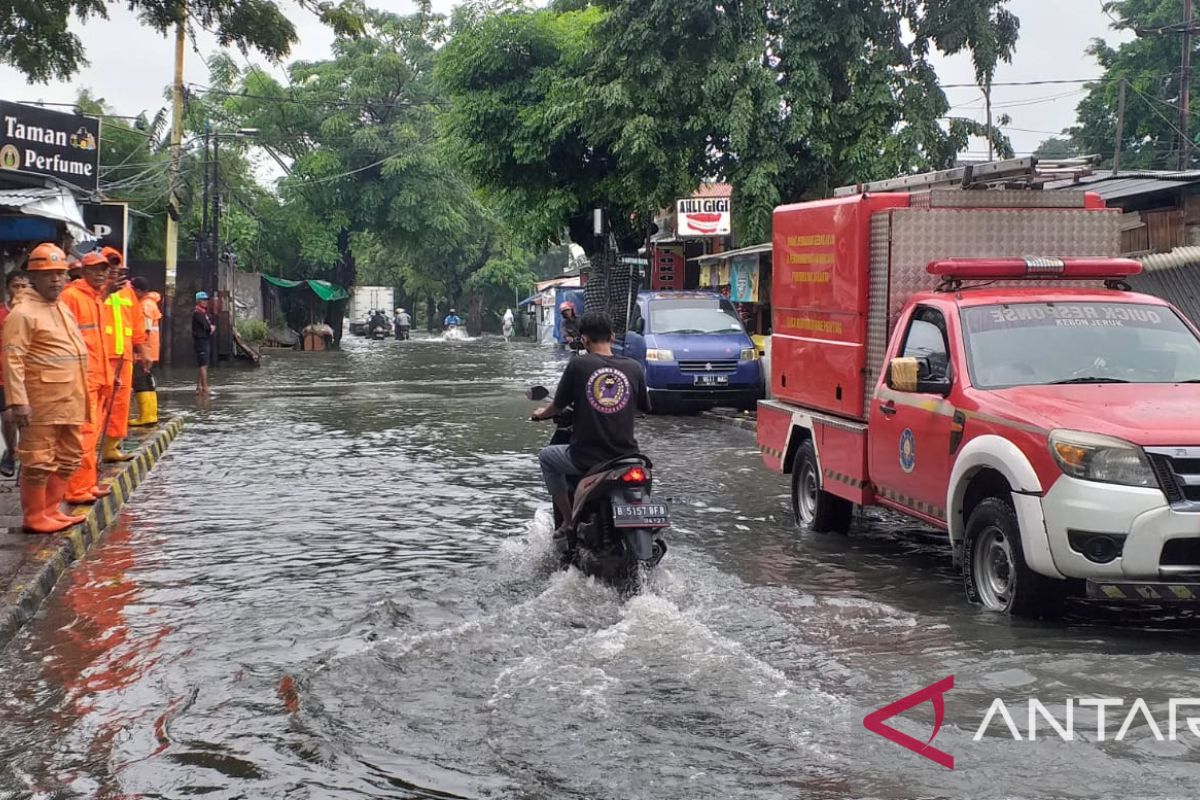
(338, 584)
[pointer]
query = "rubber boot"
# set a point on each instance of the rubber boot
(56, 489)
(137, 405)
(112, 450)
(147, 409)
(100, 490)
(33, 504)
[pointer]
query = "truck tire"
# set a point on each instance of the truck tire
(816, 509)
(995, 574)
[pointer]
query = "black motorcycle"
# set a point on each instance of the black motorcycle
(381, 329)
(616, 521)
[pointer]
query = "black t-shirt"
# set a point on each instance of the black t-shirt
(606, 392)
(201, 325)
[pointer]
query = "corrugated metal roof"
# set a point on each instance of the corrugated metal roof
(16, 198)
(1129, 183)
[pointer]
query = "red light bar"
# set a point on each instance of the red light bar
(993, 269)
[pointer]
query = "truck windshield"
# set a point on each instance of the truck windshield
(693, 316)
(1031, 344)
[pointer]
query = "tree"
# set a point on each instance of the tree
(35, 36)
(1149, 67)
(627, 104)
(1055, 147)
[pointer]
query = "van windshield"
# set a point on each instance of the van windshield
(1032, 344)
(693, 316)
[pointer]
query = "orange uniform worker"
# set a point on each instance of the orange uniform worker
(85, 298)
(144, 388)
(126, 336)
(45, 382)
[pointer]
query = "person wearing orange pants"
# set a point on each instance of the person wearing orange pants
(85, 298)
(45, 381)
(126, 332)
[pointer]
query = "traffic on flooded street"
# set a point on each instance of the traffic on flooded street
(341, 583)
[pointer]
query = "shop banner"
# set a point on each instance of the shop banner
(110, 223)
(38, 141)
(703, 216)
(743, 279)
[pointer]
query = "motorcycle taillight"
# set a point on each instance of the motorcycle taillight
(636, 475)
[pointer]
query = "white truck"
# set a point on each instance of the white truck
(365, 298)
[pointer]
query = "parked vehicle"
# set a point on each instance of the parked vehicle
(695, 351)
(363, 301)
(923, 361)
(617, 522)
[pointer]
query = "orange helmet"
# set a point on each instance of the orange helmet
(93, 259)
(113, 255)
(47, 256)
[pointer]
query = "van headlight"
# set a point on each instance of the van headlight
(749, 354)
(660, 355)
(1093, 457)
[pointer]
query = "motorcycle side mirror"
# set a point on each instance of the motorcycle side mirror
(537, 393)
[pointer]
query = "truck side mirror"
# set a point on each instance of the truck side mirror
(639, 325)
(913, 375)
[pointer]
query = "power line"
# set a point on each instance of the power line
(314, 102)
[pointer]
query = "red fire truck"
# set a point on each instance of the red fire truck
(973, 358)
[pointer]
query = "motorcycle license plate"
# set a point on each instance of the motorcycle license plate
(710, 380)
(641, 515)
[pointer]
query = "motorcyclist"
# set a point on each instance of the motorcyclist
(606, 392)
(570, 325)
(403, 323)
(452, 320)
(378, 320)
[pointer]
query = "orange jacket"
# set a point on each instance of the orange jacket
(85, 304)
(45, 361)
(130, 332)
(152, 315)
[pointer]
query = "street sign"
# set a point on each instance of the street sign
(110, 223)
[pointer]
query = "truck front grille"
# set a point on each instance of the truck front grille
(1178, 473)
(715, 365)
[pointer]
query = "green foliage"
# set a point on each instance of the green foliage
(1055, 148)
(1149, 66)
(627, 104)
(252, 330)
(36, 39)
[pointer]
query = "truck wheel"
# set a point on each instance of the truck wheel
(995, 574)
(816, 509)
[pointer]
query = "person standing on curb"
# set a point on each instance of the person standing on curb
(45, 378)
(127, 336)
(202, 333)
(17, 280)
(85, 298)
(145, 391)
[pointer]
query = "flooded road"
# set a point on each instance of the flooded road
(337, 583)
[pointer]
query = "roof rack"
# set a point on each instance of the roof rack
(969, 176)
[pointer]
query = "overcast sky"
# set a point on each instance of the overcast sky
(131, 65)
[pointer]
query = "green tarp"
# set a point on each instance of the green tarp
(329, 292)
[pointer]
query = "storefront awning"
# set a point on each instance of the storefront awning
(752, 250)
(55, 203)
(329, 292)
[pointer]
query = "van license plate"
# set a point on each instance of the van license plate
(710, 380)
(648, 515)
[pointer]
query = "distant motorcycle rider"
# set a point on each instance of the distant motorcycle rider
(570, 324)
(452, 320)
(403, 323)
(606, 392)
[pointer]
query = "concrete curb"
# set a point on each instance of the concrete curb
(745, 423)
(37, 577)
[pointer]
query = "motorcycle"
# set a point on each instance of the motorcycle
(381, 330)
(616, 521)
(454, 332)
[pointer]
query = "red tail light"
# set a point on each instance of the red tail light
(635, 475)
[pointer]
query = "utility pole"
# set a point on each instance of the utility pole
(987, 100)
(1120, 129)
(1185, 88)
(171, 256)
(204, 241)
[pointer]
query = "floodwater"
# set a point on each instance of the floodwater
(338, 584)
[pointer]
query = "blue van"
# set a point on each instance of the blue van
(695, 351)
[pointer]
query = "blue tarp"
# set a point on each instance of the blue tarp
(528, 300)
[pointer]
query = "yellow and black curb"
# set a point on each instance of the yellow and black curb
(41, 571)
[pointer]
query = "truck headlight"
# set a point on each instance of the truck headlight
(749, 354)
(1093, 457)
(660, 355)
